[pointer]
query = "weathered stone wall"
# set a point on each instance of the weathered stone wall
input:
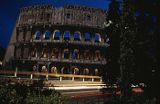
(67, 15)
(23, 43)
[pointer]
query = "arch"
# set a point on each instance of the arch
(88, 17)
(64, 70)
(34, 68)
(66, 54)
(54, 70)
(46, 34)
(44, 69)
(34, 53)
(68, 15)
(97, 37)
(96, 71)
(54, 53)
(75, 71)
(66, 35)
(37, 35)
(75, 54)
(45, 53)
(25, 52)
(85, 71)
(86, 55)
(18, 52)
(97, 55)
(77, 36)
(87, 36)
(56, 35)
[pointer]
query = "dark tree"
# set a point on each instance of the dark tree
(127, 52)
(113, 31)
(156, 74)
(114, 11)
(139, 44)
(147, 40)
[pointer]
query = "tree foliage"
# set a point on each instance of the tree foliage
(20, 93)
(139, 41)
(127, 51)
(113, 32)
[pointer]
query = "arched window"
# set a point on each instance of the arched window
(87, 36)
(86, 55)
(97, 37)
(20, 36)
(64, 70)
(18, 52)
(34, 53)
(77, 36)
(54, 70)
(37, 35)
(66, 35)
(68, 15)
(75, 71)
(66, 54)
(97, 55)
(75, 54)
(56, 35)
(44, 69)
(88, 17)
(25, 52)
(96, 71)
(34, 68)
(46, 35)
(85, 71)
(54, 53)
(45, 53)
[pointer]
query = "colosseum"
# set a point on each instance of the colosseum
(64, 44)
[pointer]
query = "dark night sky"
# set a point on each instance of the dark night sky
(9, 10)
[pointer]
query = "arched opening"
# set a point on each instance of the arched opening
(75, 71)
(44, 69)
(96, 72)
(56, 35)
(85, 71)
(87, 36)
(34, 53)
(66, 54)
(97, 38)
(68, 15)
(46, 35)
(26, 52)
(86, 55)
(45, 53)
(97, 55)
(77, 36)
(34, 68)
(64, 70)
(54, 70)
(20, 36)
(88, 17)
(66, 35)
(54, 53)
(75, 54)
(37, 35)
(18, 52)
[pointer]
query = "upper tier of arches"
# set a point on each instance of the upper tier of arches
(67, 36)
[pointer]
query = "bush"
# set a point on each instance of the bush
(19, 93)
